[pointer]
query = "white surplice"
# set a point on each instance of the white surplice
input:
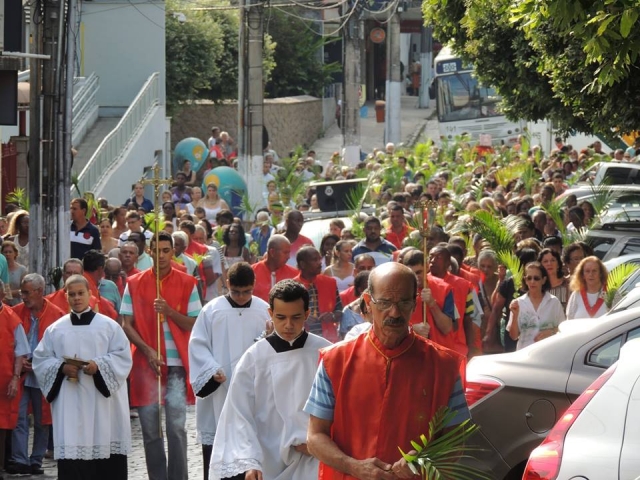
(219, 338)
(86, 424)
(263, 419)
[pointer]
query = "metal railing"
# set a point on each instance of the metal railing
(117, 141)
(85, 108)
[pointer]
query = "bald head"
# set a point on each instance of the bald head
(277, 241)
(392, 273)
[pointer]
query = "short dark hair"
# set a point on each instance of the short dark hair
(93, 260)
(81, 202)
(304, 253)
(241, 275)
(556, 255)
(224, 215)
(371, 219)
(456, 251)
(551, 241)
(361, 281)
(188, 225)
(289, 291)
(162, 236)
(413, 257)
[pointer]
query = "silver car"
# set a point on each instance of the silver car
(516, 398)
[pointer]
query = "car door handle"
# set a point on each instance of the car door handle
(528, 415)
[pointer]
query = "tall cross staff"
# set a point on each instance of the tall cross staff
(428, 217)
(157, 182)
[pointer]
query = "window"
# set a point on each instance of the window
(632, 246)
(607, 354)
(601, 245)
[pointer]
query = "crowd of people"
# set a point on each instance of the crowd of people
(238, 319)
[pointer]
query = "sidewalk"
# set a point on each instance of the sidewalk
(415, 125)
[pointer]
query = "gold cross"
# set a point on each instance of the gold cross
(157, 182)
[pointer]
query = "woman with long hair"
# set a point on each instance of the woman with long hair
(234, 249)
(588, 285)
(488, 265)
(213, 203)
(119, 221)
(19, 234)
(17, 272)
(552, 263)
(537, 314)
(327, 246)
(572, 255)
(190, 174)
(342, 269)
(108, 241)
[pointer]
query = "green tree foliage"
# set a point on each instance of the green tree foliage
(537, 54)
(193, 52)
(299, 69)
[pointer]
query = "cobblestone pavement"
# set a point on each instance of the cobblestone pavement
(137, 465)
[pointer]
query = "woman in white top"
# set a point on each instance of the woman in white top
(342, 269)
(196, 197)
(537, 314)
(588, 285)
(212, 203)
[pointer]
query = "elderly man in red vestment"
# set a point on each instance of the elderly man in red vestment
(12, 356)
(274, 267)
(36, 314)
(378, 369)
(178, 306)
(325, 307)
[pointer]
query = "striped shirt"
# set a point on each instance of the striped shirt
(193, 309)
(322, 401)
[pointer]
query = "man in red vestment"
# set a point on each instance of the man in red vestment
(194, 247)
(363, 262)
(178, 307)
(439, 263)
(377, 369)
(274, 267)
(325, 308)
(128, 258)
(398, 227)
(73, 266)
(36, 314)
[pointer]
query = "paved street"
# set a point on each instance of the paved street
(137, 467)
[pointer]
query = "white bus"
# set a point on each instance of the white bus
(466, 106)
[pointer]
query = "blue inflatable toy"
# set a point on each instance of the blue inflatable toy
(231, 186)
(192, 149)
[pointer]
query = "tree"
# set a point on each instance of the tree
(194, 47)
(540, 70)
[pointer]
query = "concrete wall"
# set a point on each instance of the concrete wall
(290, 121)
(123, 43)
(116, 182)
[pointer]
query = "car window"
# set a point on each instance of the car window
(600, 245)
(607, 354)
(618, 176)
(632, 246)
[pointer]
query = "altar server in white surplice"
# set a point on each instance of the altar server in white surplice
(224, 329)
(262, 431)
(91, 426)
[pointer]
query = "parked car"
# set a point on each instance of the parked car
(622, 195)
(612, 240)
(598, 436)
(516, 398)
(612, 173)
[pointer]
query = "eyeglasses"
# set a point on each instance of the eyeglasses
(533, 279)
(404, 306)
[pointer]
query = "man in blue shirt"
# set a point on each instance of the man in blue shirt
(373, 244)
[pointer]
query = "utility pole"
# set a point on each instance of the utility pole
(251, 99)
(394, 81)
(352, 80)
(426, 59)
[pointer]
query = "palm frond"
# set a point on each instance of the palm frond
(356, 197)
(19, 197)
(513, 264)
(554, 209)
(477, 189)
(602, 198)
(499, 233)
(579, 235)
(615, 280)
(438, 451)
(151, 223)
(246, 208)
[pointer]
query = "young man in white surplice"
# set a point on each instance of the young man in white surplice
(262, 431)
(91, 426)
(223, 331)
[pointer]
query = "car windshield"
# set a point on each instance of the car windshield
(461, 97)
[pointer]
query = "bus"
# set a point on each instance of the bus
(465, 106)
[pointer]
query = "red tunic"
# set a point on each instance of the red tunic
(176, 289)
(102, 305)
(381, 403)
(197, 248)
(327, 293)
(439, 291)
(262, 286)
(9, 407)
(50, 313)
(398, 238)
(461, 289)
(348, 295)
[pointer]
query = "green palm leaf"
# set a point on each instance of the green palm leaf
(554, 209)
(513, 264)
(19, 197)
(151, 223)
(615, 280)
(602, 197)
(438, 452)
(499, 233)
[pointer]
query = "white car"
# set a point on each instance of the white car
(598, 437)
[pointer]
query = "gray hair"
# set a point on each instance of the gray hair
(487, 254)
(182, 235)
(34, 278)
(72, 261)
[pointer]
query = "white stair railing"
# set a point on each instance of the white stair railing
(85, 108)
(116, 142)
